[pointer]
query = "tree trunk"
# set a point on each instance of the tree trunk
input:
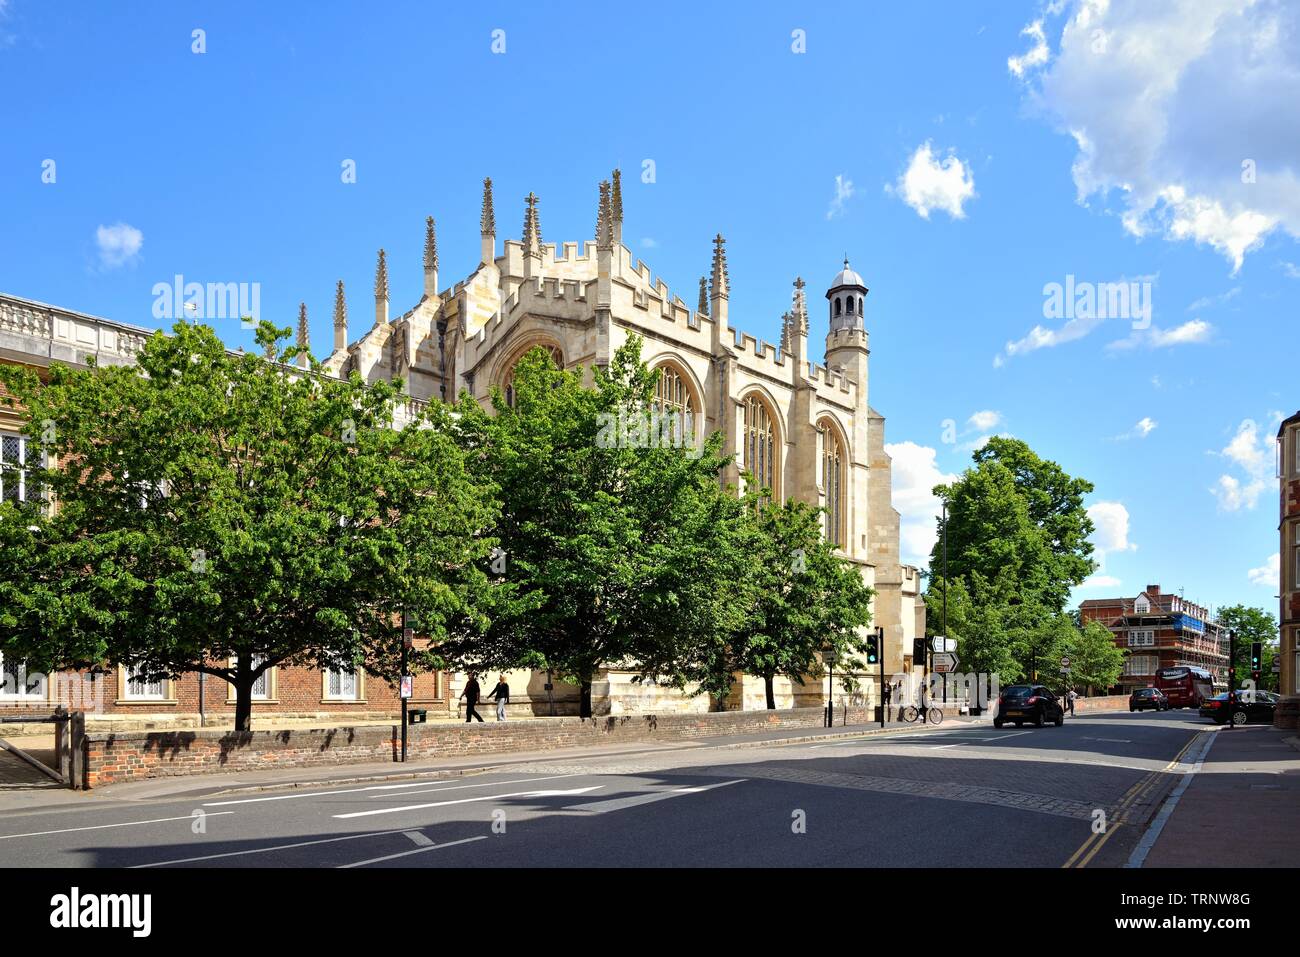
(243, 695)
(768, 681)
(584, 698)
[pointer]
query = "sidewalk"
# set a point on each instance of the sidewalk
(206, 785)
(1241, 809)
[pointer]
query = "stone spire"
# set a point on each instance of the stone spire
(381, 291)
(703, 308)
(487, 225)
(718, 279)
(787, 333)
(800, 312)
(605, 218)
(718, 292)
(430, 259)
(616, 206)
(304, 336)
(340, 319)
(532, 228)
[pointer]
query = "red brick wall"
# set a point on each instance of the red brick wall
(111, 758)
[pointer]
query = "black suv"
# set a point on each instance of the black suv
(1143, 698)
(1021, 703)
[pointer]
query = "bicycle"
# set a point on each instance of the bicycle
(932, 715)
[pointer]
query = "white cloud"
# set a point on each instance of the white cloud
(1268, 575)
(915, 474)
(1251, 451)
(118, 244)
(1291, 269)
(1040, 337)
(985, 420)
(1036, 55)
(649, 242)
(843, 193)
(1144, 427)
(1174, 109)
(1208, 302)
(1101, 581)
(1191, 332)
(929, 184)
(1110, 532)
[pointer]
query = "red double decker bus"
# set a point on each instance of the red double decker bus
(1185, 686)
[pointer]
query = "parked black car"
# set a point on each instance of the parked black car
(1021, 703)
(1247, 707)
(1143, 698)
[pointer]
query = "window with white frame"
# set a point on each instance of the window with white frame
(342, 685)
(1295, 446)
(16, 460)
(1141, 638)
(1140, 665)
(137, 688)
(17, 683)
(1141, 605)
(262, 687)
(1295, 551)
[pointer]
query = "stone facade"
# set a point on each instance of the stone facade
(805, 427)
(1288, 438)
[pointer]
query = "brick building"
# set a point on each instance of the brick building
(1161, 630)
(1288, 447)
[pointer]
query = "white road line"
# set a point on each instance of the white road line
(1111, 740)
(485, 797)
(483, 784)
(264, 850)
(1139, 855)
(100, 827)
(419, 839)
(418, 850)
(618, 804)
(380, 787)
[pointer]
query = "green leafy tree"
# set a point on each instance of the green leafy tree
(801, 605)
(980, 619)
(1252, 624)
(613, 531)
(223, 514)
(1095, 661)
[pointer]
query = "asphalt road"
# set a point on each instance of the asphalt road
(956, 796)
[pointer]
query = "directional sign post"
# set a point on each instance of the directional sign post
(945, 662)
(1065, 665)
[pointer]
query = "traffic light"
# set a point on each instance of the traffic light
(920, 647)
(1256, 659)
(873, 646)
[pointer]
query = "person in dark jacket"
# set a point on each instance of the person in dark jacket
(471, 695)
(502, 695)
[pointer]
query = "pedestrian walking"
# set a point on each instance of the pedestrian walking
(471, 695)
(1071, 696)
(502, 695)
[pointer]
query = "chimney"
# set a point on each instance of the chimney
(1153, 590)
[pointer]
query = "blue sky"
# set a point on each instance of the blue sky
(979, 152)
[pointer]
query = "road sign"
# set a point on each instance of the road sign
(945, 662)
(944, 644)
(1065, 664)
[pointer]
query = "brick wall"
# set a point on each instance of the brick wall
(1115, 702)
(111, 758)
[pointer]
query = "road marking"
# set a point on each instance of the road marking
(1097, 847)
(423, 840)
(263, 850)
(483, 784)
(618, 804)
(418, 850)
(485, 797)
(375, 787)
(1139, 855)
(100, 827)
(1111, 740)
(1130, 796)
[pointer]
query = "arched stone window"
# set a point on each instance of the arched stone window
(850, 305)
(859, 305)
(675, 396)
(834, 468)
(760, 447)
(508, 386)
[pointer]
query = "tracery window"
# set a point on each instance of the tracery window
(760, 455)
(833, 467)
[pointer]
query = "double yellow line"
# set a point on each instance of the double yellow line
(1120, 815)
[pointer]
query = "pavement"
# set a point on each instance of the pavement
(1106, 790)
